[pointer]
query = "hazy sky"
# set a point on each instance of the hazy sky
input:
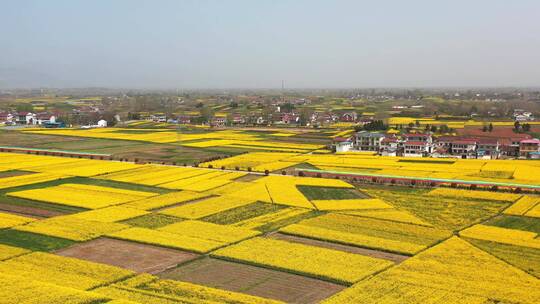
(257, 43)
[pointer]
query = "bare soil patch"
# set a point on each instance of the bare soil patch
(257, 281)
(249, 177)
(396, 258)
(28, 211)
(129, 255)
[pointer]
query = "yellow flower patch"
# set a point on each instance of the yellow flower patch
(209, 231)
(109, 214)
(20, 289)
(485, 195)
(206, 207)
(72, 228)
(502, 235)
(351, 204)
(63, 271)
(9, 220)
(165, 200)
(338, 266)
(7, 252)
(167, 239)
(85, 196)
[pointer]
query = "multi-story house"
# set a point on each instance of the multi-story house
(488, 148)
(416, 144)
(413, 148)
(389, 146)
(368, 141)
(465, 148)
(528, 146)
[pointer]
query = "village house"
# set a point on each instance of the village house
(528, 146)
(368, 141)
(465, 148)
(413, 148)
(7, 118)
(348, 117)
(238, 119)
(417, 144)
(218, 122)
(389, 146)
(488, 148)
(342, 144)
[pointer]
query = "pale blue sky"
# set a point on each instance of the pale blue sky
(257, 43)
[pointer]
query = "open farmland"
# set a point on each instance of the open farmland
(120, 232)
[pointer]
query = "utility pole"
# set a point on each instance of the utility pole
(283, 91)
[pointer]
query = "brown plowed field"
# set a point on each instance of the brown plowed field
(253, 280)
(129, 255)
(28, 211)
(396, 258)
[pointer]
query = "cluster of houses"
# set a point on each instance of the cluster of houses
(45, 119)
(427, 145)
(278, 118)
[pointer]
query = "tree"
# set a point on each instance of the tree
(305, 116)
(24, 107)
(517, 126)
(206, 114)
(376, 125)
(287, 107)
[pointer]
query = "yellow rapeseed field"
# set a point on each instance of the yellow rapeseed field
(209, 231)
(27, 179)
(351, 204)
(85, 196)
(319, 262)
(206, 207)
(149, 289)
(523, 206)
(370, 233)
(63, 271)
(484, 195)
(7, 252)
(21, 289)
(271, 218)
(9, 220)
(389, 214)
(109, 214)
(71, 227)
(455, 266)
(502, 235)
(164, 200)
(167, 239)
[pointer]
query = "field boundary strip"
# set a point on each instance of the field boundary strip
(440, 180)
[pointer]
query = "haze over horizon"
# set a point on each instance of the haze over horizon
(256, 44)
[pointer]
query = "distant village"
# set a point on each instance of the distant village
(339, 111)
(427, 145)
